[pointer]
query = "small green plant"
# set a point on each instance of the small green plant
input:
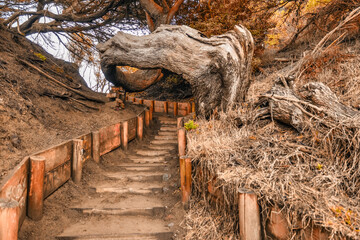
(42, 57)
(190, 125)
(319, 166)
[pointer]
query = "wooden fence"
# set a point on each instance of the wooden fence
(23, 191)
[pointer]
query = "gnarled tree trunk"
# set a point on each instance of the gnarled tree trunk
(134, 81)
(143, 78)
(314, 100)
(218, 68)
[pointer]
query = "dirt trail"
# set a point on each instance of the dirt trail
(132, 194)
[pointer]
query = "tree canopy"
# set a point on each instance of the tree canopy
(275, 23)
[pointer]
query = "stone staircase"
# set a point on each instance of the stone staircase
(131, 199)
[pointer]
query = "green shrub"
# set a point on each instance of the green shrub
(190, 125)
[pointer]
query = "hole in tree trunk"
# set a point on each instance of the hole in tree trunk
(171, 87)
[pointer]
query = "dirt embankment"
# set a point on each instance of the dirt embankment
(35, 110)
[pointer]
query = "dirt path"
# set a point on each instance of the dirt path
(133, 194)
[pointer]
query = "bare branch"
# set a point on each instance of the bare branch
(174, 10)
(152, 8)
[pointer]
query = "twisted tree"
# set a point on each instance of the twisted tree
(156, 14)
(218, 68)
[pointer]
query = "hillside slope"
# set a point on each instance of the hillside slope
(37, 112)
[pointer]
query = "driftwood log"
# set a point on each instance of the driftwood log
(313, 101)
(218, 68)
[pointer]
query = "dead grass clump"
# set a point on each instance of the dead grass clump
(202, 222)
(312, 176)
(338, 68)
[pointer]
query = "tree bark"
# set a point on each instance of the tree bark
(218, 68)
(314, 101)
(144, 78)
(135, 81)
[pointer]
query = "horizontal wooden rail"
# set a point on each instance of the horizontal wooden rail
(38, 176)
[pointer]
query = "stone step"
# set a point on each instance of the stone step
(115, 227)
(139, 175)
(168, 122)
(124, 211)
(163, 142)
(165, 137)
(165, 118)
(129, 206)
(162, 147)
(134, 236)
(147, 159)
(168, 128)
(158, 166)
(152, 152)
(130, 187)
(167, 133)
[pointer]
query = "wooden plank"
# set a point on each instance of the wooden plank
(171, 107)
(147, 102)
(15, 186)
(56, 178)
(183, 108)
(96, 146)
(87, 146)
(57, 155)
(132, 128)
(109, 138)
(140, 127)
(131, 99)
(124, 134)
(159, 106)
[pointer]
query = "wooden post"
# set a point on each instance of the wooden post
(188, 108)
(180, 122)
(249, 215)
(193, 107)
(182, 141)
(175, 109)
(140, 127)
(125, 134)
(147, 118)
(152, 109)
(277, 225)
(9, 219)
(96, 146)
(183, 179)
(141, 101)
(188, 178)
(77, 160)
(166, 110)
(36, 188)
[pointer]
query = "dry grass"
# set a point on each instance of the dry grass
(313, 176)
(201, 217)
(338, 68)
